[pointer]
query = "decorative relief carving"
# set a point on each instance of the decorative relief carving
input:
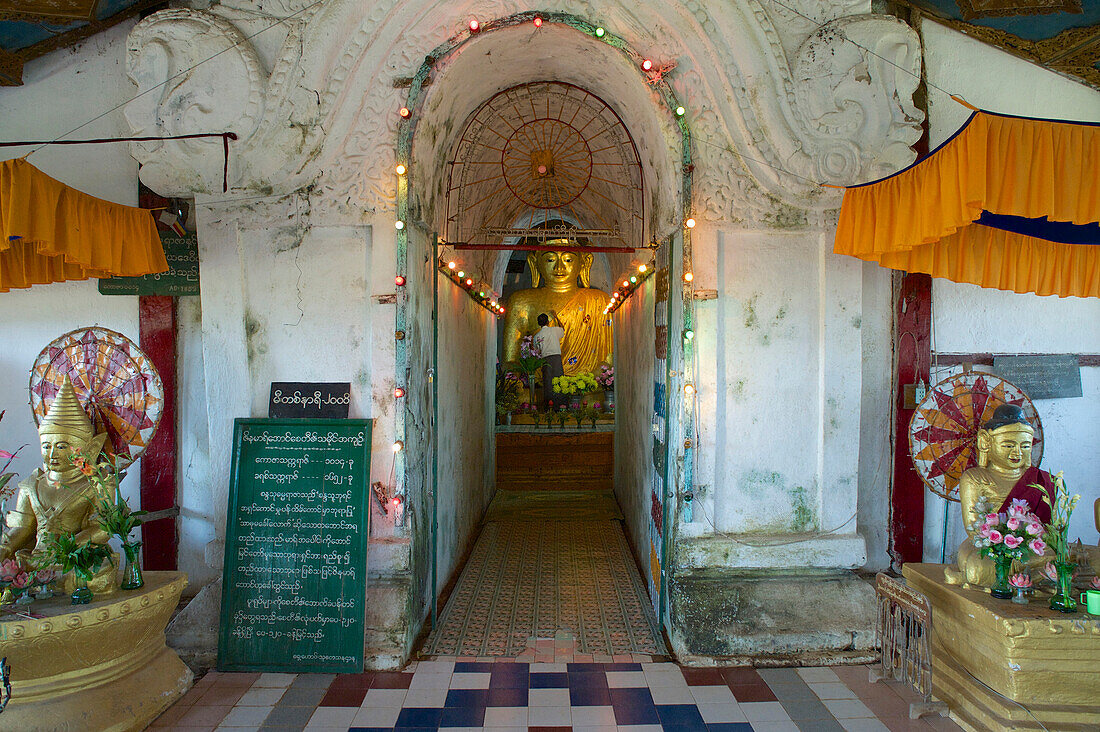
(324, 119)
(972, 9)
(183, 93)
(855, 80)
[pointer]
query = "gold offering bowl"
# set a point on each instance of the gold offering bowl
(101, 666)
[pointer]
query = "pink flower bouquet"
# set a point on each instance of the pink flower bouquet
(1015, 533)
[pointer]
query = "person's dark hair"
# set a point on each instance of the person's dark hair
(543, 320)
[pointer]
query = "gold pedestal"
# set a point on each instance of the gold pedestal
(101, 666)
(992, 658)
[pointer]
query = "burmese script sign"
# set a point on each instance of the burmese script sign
(1042, 376)
(309, 399)
(296, 546)
(182, 277)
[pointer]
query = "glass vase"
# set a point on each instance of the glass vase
(131, 573)
(1003, 565)
(81, 595)
(1063, 601)
(1021, 596)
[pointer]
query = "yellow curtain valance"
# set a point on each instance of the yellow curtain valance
(50, 232)
(1008, 202)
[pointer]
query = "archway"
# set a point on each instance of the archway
(471, 219)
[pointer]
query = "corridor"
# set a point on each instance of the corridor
(549, 569)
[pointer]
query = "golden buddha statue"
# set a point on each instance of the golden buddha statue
(57, 498)
(1004, 472)
(578, 310)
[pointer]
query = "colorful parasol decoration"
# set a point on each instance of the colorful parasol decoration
(943, 431)
(115, 381)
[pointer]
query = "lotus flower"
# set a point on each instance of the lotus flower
(9, 570)
(1012, 541)
(21, 580)
(45, 576)
(995, 537)
(1095, 583)
(1050, 572)
(1020, 580)
(1038, 546)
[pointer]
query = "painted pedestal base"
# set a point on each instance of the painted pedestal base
(772, 617)
(1030, 654)
(101, 666)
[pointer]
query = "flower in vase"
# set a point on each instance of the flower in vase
(597, 406)
(45, 576)
(1018, 507)
(1095, 584)
(995, 537)
(1050, 572)
(1038, 546)
(1013, 523)
(1020, 580)
(1035, 528)
(1012, 541)
(21, 581)
(9, 570)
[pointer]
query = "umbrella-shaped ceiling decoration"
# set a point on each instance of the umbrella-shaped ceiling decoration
(943, 431)
(115, 381)
(1007, 202)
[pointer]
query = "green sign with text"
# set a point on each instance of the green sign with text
(182, 277)
(295, 575)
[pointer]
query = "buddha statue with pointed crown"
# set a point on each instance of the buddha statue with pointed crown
(578, 310)
(57, 498)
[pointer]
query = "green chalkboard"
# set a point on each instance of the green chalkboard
(182, 277)
(295, 579)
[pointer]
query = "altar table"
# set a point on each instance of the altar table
(994, 661)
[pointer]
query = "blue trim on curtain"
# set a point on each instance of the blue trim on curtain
(1041, 228)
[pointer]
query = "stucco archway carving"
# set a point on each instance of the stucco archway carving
(776, 103)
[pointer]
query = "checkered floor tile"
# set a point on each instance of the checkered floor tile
(452, 695)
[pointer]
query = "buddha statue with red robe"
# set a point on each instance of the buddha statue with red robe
(1004, 472)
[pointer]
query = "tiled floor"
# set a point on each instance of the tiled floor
(507, 695)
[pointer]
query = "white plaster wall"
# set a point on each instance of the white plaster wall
(62, 90)
(780, 374)
(635, 352)
(969, 319)
(467, 360)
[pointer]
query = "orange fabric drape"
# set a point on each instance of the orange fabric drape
(922, 219)
(50, 232)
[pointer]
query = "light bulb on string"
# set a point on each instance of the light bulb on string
(537, 21)
(626, 283)
(461, 274)
(399, 281)
(690, 223)
(398, 446)
(688, 277)
(600, 32)
(647, 65)
(642, 268)
(451, 265)
(469, 282)
(633, 279)
(404, 112)
(689, 389)
(400, 169)
(680, 111)
(474, 25)
(398, 392)
(689, 335)
(399, 224)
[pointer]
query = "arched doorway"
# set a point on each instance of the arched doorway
(528, 157)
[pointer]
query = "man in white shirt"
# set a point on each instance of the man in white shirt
(548, 339)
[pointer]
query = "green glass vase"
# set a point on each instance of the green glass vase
(131, 572)
(1063, 601)
(81, 595)
(1000, 589)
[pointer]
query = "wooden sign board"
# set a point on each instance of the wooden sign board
(295, 573)
(182, 277)
(1042, 376)
(317, 400)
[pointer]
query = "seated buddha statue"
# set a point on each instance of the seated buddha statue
(57, 498)
(578, 310)
(1004, 472)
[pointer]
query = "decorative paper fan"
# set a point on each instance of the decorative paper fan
(115, 381)
(943, 431)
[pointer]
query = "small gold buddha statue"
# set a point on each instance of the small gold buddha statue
(578, 310)
(1004, 472)
(57, 498)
